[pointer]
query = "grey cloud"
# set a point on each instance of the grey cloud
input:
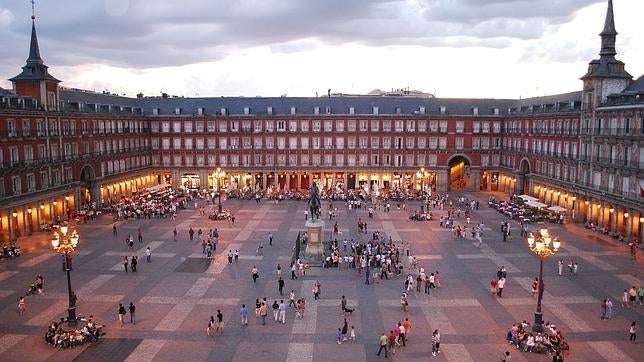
(142, 34)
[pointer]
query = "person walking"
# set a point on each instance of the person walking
(383, 345)
(132, 309)
(148, 254)
(276, 310)
(140, 236)
(345, 330)
(609, 308)
(22, 306)
(436, 342)
(255, 274)
(500, 285)
(560, 266)
(401, 334)
(114, 232)
(280, 285)
(352, 335)
(343, 305)
(134, 263)
(243, 314)
(505, 357)
(367, 274)
(122, 313)
(293, 268)
(174, 233)
(211, 324)
(263, 312)
(407, 325)
(270, 239)
(404, 303)
(316, 291)
(125, 264)
(220, 323)
(632, 330)
(557, 357)
(282, 309)
(291, 298)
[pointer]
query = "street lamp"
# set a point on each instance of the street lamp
(65, 243)
(423, 176)
(219, 174)
(544, 246)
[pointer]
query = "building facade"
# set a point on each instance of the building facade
(62, 148)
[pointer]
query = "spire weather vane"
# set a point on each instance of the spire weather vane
(33, 9)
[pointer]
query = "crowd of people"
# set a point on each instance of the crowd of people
(60, 337)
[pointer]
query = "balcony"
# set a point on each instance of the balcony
(613, 132)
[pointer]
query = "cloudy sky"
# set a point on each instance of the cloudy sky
(453, 48)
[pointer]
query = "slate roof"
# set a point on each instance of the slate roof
(362, 105)
(69, 95)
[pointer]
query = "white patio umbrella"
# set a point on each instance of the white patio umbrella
(536, 204)
(557, 208)
(527, 198)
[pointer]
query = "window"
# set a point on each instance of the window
(316, 126)
(386, 143)
(422, 126)
(433, 143)
(409, 143)
(411, 126)
(176, 127)
(375, 142)
(199, 126)
(351, 143)
(339, 126)
(16, 185)
(26, 128)
(316, 143)
(305, 143)
(11, 129)
(352, 125)
(375, 125)
(14, 158)
(304, 126)
(422, 142)
(442, 143)
(460, 126)
(386, 125)
(459, 143)
(31, 182)
(443, 126)
(363, 126)
(292, 126)
(363, 142)
(29, 154)
(41, 130)
(44, 180)
(433, 126)
(339, 143)
(399, 126)
(476, 143)
(257, 143)
(486, 127)
(281, 126)
(328, 126)
(292, 143)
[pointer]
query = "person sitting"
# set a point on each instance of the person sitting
(529, 344)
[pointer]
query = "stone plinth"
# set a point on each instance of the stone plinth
(314, 246)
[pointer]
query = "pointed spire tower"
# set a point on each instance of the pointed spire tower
(35, 80)
(605, 75)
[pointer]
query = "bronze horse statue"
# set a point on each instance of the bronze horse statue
(314, 203)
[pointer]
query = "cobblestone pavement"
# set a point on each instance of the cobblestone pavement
(177, 292)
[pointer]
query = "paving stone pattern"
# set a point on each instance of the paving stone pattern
(179, 290)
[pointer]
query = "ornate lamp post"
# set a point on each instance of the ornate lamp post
(65, 243)
(219, 174)
(423, 175)
(544, 246)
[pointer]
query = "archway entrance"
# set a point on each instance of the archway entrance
(86, 177)
(459, 173)
(523, 180)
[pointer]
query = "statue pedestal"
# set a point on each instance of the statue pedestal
(314, 246)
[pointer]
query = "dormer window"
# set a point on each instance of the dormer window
(442, 110)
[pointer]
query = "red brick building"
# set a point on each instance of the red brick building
(61, 148)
